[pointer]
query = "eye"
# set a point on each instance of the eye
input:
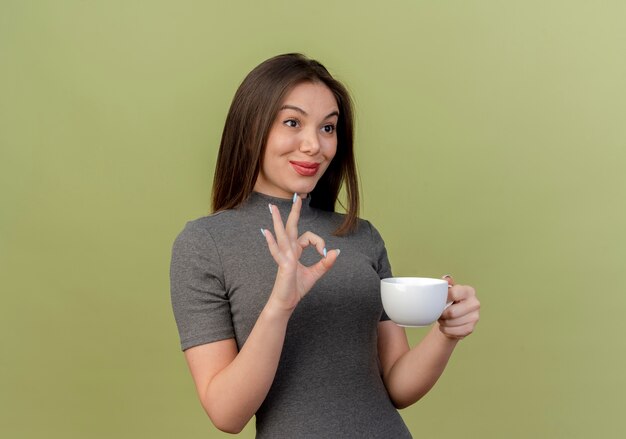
(329, 129)
(292, 123)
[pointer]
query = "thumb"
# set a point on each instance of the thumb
(325, 264)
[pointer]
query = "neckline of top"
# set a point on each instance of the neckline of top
(260, 200)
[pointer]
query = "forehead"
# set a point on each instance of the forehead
(312, 96)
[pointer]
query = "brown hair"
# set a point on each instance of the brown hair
(251, 115)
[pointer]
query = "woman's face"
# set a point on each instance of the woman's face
(301, 143)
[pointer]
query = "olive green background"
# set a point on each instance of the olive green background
(491, 143)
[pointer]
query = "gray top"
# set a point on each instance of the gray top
(328, 383)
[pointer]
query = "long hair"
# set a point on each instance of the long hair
(250, 118)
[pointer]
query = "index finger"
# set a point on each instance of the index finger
(460, 293)
(450, 280)
(279, 229)
(294, 216)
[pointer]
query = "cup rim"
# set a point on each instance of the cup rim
(409, 280)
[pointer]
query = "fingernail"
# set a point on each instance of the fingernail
(270, 206)
(325, 252)
(263, 232)
(295, 196)
(338, 251)
(447, 276)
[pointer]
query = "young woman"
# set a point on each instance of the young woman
(285, 325)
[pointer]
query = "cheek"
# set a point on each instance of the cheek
(279, 145)
(330, 149)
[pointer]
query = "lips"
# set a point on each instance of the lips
(307, 169)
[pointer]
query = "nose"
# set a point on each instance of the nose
(310, 144)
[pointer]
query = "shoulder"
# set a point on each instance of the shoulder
(202, 231)
(206, 223)
(364, 229)
(367, 229)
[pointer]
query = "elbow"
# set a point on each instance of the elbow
(398, 397)
(228, 427)
(229, 416)
(223, 422)
(400, 404)
(402, 400)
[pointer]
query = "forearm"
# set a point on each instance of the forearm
(234, 395)
(418, 369)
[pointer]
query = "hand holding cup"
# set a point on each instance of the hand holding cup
(414, 301)
(459, 320)
(419, 301)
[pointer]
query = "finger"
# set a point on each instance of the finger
(458, 332)
(458, 293)
(449, 279)
(463, 320)
(461, 308)
(279, 229)
(310, 238)
(325, 264)
(271, 244)
(294, 216)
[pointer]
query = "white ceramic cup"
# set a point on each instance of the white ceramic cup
(414, 301)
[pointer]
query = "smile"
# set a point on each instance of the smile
(307, 169)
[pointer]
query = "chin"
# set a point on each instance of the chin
(305, 190)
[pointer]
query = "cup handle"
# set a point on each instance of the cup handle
(448, 278)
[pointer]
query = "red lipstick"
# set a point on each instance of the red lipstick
(307, 169)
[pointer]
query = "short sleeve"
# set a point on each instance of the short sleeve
(199, 300)
(383, 267)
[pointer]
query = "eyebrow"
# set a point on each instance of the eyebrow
(300, 110)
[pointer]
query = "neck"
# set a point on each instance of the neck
(260, 200)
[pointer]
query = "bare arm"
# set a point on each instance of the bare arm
(232, 385)
(409, 374)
